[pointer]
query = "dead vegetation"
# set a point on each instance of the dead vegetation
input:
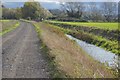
(69, 57)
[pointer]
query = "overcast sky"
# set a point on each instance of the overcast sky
(47, 5)
(62, 0)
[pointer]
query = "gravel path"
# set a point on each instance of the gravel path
(21, 54)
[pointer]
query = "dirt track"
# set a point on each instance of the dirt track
(21, 54)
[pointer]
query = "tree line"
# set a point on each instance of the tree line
(90, 11)
(30, 10)
(69, 11)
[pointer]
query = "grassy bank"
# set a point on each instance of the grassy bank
(98, 41)
(68, 57)
(89, 37)
(54, 73)
(8, 25)
(106, 33)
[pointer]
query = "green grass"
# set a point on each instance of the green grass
(108, 26)
(4, 20)
(10, 28)
(93, 39)
(101, 42)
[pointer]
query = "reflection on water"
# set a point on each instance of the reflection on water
(97, 53)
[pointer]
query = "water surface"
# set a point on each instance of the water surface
(97, 53)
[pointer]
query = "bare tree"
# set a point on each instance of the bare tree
(95, 12)
(119, 12)
(109, 10)
(73, 9)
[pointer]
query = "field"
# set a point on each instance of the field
(107, 26)
(8, 25)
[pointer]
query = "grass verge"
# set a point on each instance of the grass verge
(4, 20)
(10, 28)
(54, 72)
(98, 41)
(68, 57)
(108, 34)
(109, 45)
